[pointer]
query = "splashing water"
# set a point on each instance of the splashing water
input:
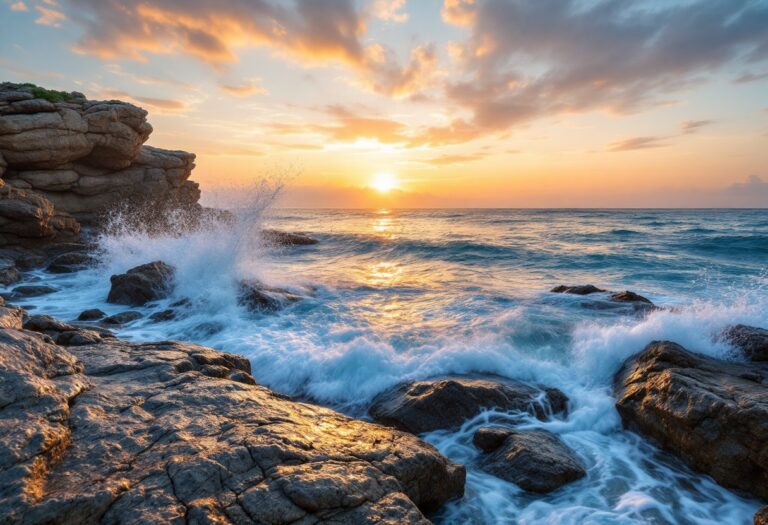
(399, 295)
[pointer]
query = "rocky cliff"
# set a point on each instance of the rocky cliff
(66, 160)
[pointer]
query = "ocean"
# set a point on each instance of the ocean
(395, 295)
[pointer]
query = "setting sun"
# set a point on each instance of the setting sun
(384, 182)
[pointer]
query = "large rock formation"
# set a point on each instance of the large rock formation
(424, 406)
(82, 157)
(105, 431)
(711, 413)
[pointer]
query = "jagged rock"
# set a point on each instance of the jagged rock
(117, 130)
(163, 315)
(11, 317)
(94, 314)
(761, 516)
(46, 324)
(32, 290)
(629, 297)
(713, 414)
(586, 289)
(424, 406)
(751, 340)
(535, 460)
(141, 284)
(29, 216)
(122, 318)
(257, 297)
(167, 432)
(280, 238)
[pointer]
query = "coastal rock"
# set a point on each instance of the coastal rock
(32, 290)
(70, 262)
(281, 238)
(83, 158)
(27, 217)
(751, 340)
(257, 297)
(713, 414)
(122, 318)
(424, 406)
(761, 516)
(141, 284)
(535, 460)
(585, 289)
(94, 314)
(629, 297)
(117, 432)
(8, 272)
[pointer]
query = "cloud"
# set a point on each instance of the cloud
(390, 10)
(161, 105)
(309, 32)
(527, 60)
(447, 160)
(19, 6)
(692, 126)
(750, 77)
(246, 89)
(636, 143)
(49, 16)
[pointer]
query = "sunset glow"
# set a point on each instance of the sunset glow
(384, 182)
(476, 103)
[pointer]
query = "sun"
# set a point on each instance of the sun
(384, 182)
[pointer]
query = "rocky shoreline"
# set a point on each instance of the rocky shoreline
(98, 430)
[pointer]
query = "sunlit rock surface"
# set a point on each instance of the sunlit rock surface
(166, 432)
(711, 413)
(84, 157)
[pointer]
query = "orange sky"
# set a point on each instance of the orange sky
(461, 102)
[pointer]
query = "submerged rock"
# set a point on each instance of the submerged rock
(585, 289)
(535, 460)
(751, 340)
(70, 262)
(32, 290)
(713, 414)
(280, 238)
(424, 406)
(122, 318)
(629, 297)
(142, 284)
(257, 297)
(166, 432)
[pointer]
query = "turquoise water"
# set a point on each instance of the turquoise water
(393, 295)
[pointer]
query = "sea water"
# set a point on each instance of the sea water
(396, 295)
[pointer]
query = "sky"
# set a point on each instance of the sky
(429, 103)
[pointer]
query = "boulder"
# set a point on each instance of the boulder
(117, 130)
(142, 284)
(32, 290)
(534, 460)
(629, 297)
(8, 272)
(751, 340)
(585, 289)
(118, 432)
(424, 406)
(27, 216)
(70, 262)
(94, 314)
(712, 414)
(257, 297)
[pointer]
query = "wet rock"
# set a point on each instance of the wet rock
(11, 317)
(94, 314)
(535, 460)
(46, 324)
(70, 262)
(751, 340)
(629, 297)
(32, 290)
(163, 315)
(761, 516)
(142, 284)
(122, 318)
(586, 289)
(280, 238)
(116, 432)
(257, 297)
(424, 406)
(78, 337)
(8, 272)
(713, 414)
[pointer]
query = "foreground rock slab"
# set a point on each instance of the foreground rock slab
(713, 414)
(424, 406)
(535, 460)
(174, 433)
